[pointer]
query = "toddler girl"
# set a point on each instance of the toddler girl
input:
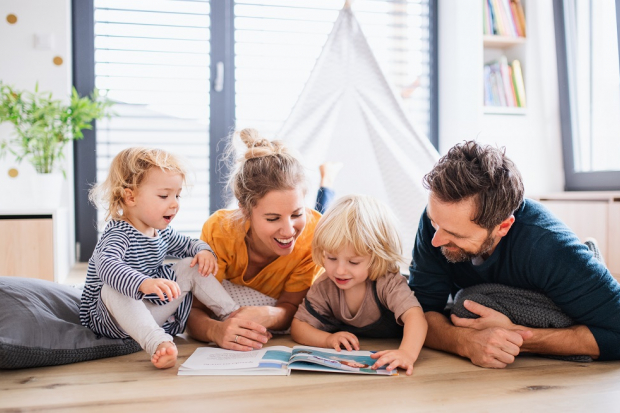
(129, 291)
(362, 292)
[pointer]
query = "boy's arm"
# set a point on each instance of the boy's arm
(414, 333)
(305, 334)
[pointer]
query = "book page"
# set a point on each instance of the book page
(210, 358)
(313, 358)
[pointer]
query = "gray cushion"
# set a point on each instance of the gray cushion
(40, 326)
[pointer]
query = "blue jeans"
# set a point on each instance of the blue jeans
(324, 198)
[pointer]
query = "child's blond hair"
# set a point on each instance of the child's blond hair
(128, 170)
(365, 224)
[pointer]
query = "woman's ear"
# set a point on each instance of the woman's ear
(244, 211)
(129, 197)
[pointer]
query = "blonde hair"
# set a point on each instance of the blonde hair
(365, 224)
(264, 167)
(128, 170)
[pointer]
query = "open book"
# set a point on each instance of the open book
(278, 361)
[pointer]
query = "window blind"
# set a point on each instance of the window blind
(277, 43)
(152, 59)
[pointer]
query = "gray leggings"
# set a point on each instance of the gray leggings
(142, 320)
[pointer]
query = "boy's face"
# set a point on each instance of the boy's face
(347, 269)
(155, 203)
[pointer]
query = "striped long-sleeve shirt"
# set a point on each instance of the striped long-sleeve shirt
(123, 259)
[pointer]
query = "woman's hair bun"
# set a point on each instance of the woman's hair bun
(258, 146)
(252, 139)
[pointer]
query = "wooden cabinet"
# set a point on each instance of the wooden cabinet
(34, 244)
(591, 214)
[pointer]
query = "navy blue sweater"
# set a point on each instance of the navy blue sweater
(539, 253)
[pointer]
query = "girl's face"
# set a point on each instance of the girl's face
(276, 222)
(347, 269)
(155, 203)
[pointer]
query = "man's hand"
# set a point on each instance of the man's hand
(493, 347)
(161, 286)
(207, 263)
(488, 318)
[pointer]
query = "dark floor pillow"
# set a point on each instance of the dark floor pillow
(40, 326)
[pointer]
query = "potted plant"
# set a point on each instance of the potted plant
(43, 126)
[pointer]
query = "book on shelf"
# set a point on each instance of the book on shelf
(278, 361)
(519, 84)
(503, 84)
(503, 18)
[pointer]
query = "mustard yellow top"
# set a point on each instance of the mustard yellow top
(291, 273)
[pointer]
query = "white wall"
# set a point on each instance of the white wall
(533, 140)
(22, 65)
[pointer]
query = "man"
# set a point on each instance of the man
(476, 229)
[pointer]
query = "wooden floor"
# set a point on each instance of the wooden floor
(440, 383)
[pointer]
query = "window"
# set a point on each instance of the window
(589, 75)
(152, 59)
(184, 73)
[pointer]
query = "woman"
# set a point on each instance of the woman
(264, 245)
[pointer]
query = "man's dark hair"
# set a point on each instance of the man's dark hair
(482, 172)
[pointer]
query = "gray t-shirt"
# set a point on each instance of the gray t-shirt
(328, 301)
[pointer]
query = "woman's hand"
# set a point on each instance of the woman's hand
(238, 334)
(342, 338)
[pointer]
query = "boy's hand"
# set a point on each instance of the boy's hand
(343, 338)
(161, 286)
(395, 358)
(207, 263)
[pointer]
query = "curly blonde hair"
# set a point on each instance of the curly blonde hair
(128, 170)
(264, 167)
(365, 224)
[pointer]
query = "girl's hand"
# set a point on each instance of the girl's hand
(207, 263)
(161, 286)
(342, 338)
(395, 358)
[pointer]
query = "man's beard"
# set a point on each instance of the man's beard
(460, 255)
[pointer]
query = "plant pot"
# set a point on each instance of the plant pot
(47, 189)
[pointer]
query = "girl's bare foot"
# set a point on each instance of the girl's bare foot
(165, 356)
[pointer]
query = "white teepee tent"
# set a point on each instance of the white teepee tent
(348, 112)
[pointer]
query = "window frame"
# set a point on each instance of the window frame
(576, 181)
(222, 109)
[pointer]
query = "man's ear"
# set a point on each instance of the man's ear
(505, 226)
(129, 197)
